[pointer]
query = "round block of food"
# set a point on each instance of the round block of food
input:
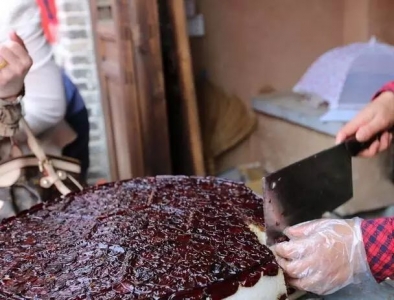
(150, 238)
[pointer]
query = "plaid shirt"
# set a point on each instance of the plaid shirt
(389, 87)
(378, 236)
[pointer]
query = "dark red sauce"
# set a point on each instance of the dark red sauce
(152, 238)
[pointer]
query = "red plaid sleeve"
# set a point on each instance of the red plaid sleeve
(389, 87)
(378, 236)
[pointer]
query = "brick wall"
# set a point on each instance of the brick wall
(75, 52)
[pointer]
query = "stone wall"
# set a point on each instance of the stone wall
(75, 52)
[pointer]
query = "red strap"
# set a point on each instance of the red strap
(48, 18)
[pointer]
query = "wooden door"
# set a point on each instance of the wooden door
(128, 54)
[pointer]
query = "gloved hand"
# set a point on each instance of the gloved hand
(323, 256)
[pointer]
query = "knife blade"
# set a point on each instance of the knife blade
(305, 190)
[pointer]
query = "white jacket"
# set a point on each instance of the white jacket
(44, 105)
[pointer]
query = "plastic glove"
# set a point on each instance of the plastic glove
(323, 256)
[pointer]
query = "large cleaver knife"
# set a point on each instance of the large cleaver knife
(307, 189)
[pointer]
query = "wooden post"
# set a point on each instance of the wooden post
(192, 130)
(132, 152)
(145, 29)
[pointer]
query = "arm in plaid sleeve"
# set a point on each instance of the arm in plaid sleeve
(378, 236)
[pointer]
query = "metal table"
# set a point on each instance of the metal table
(367, 290)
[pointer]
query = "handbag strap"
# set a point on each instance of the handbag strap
(44, 162)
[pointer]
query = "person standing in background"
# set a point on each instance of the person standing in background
(15, 63)
(326, 255)
(76, 113)
(44, 104)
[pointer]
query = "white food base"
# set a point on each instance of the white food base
(268, 287)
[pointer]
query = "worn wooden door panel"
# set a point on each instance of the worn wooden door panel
(122, 128)
(130, 110)
(134, 104)
(101, 13)
(145, 30)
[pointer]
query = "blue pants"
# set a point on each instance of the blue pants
(78, 119)
(79, 149)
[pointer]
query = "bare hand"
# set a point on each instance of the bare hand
(375, 117)
(323, 256)
(18, 63)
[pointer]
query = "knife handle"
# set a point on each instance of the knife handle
(355, 147)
